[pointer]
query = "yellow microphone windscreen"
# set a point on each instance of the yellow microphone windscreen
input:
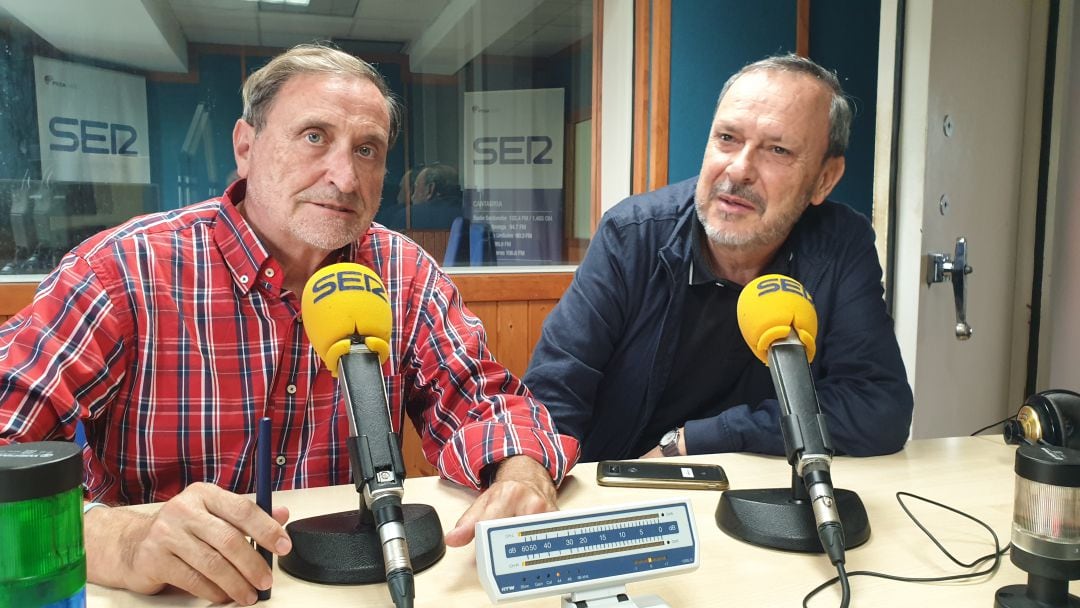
(769, 307)
(341, 301)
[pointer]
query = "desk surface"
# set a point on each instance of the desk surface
(972, 474)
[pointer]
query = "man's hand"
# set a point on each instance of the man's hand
(521, 486)
(196, 542)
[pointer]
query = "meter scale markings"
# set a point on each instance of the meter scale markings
(593, 539)
(587, 549)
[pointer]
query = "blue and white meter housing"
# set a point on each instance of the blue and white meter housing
(587, 553)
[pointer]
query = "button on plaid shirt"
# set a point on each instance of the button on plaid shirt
(171, 335)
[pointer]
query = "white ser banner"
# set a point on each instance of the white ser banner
(91, 123)
(514, 139)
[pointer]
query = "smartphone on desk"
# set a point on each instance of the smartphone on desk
(661, 474)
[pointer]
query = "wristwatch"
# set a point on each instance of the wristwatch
(669, 443)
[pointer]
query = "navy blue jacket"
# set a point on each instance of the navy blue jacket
(605, 352)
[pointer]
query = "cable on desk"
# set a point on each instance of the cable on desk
(845, 587)
(999, 551)
(990, 426)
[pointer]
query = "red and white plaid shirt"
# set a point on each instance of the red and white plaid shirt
(170, 336)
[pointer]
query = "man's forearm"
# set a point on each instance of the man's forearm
(109, 539)
(524, 469)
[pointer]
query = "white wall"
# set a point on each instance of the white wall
(616, 103)
(1063, 282)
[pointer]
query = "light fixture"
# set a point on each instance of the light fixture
(290, 2)
(1045, 529)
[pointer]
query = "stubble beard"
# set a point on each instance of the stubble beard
(327, 234)
(770, 232)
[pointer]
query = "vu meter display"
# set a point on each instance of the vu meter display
(569, 551)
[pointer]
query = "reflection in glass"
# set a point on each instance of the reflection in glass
(98, 127)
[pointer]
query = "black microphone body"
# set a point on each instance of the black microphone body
(806, 438)
(377, 467)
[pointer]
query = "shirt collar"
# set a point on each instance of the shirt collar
(247, 259)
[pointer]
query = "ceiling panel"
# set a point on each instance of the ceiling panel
(213, 35)
(192, 20)
(392, 10)
(152, 34)
(303, 25)
(378, 29)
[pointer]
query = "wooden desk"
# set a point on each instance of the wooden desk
(973, 474)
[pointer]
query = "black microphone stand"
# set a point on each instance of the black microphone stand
(785, 519)
(345, 547)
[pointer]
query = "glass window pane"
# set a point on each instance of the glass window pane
(98, 125)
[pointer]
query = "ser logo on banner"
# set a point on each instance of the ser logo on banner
(92, 136)
(513, 150)
(92, 123)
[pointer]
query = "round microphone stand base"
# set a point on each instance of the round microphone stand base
(344, 549)
(776, 518)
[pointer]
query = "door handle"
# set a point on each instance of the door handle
(939, 267)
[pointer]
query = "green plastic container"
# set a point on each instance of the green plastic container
(42, 563)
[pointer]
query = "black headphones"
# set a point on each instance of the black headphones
(1051, 417)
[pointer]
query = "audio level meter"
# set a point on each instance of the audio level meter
(586, 555)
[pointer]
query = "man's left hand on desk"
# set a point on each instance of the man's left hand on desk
(522, 486)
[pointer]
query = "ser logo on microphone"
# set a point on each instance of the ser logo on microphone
(773, 285)
(347, 280)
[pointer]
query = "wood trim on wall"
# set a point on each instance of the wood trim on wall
(659, 93)
(652, 94)
(503, 287)
(640, 154)
(14, 297)
(493, 287)
(802, 28)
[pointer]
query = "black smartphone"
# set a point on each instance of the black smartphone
(661, 474)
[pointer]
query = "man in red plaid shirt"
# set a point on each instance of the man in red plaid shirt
(171, 335)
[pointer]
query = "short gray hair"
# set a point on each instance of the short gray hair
(840, 111)
(263, 85)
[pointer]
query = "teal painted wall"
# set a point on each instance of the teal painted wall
(712, 39)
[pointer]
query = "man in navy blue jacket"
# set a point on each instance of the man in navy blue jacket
(643, 355)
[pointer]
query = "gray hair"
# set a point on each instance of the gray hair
(840, 111)
(263, 85)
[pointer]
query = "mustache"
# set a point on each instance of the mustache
(743, 191)
(345, 199)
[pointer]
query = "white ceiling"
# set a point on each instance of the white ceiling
(439, 35)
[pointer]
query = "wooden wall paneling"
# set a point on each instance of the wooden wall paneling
(652, 94)
(659, 93)
(802, 28)
(15, 297)
(639, 172)
(511, 287)
(412, 452)
(512, 334)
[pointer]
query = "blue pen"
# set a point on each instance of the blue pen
(262, 487)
